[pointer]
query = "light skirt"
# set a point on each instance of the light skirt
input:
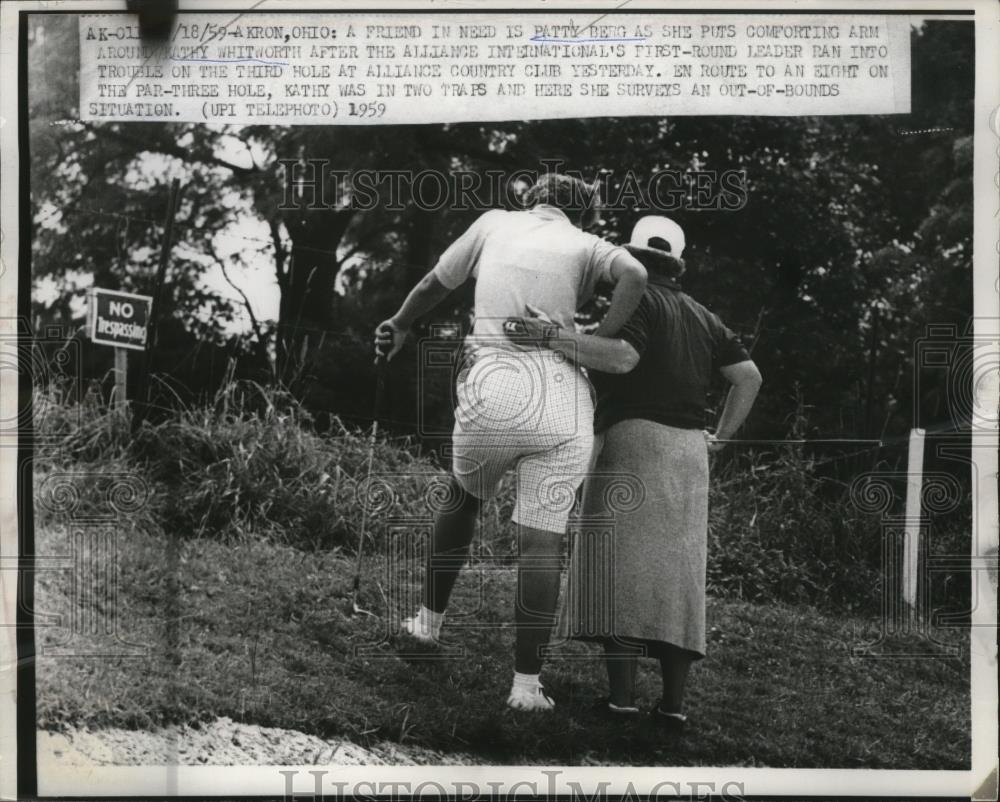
(638, 561)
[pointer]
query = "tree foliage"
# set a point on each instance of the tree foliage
(855, 236)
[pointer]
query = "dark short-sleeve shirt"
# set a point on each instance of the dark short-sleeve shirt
(680, 344)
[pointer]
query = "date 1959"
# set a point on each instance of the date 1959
(375, 109)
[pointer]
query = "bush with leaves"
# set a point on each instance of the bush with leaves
(251, 465)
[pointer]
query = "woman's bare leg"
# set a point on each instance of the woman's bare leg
(453, 533)
(538, 572)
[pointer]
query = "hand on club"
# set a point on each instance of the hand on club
(389, 338)
(714, 443)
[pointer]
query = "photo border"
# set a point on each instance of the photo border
(980, 782)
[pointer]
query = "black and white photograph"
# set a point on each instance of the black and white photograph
(596, 397)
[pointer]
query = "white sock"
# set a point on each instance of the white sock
(429, 621)
(526, 681)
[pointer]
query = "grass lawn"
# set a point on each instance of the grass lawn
(257, 632)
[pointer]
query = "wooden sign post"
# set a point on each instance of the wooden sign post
(121, 320)
(121, 378)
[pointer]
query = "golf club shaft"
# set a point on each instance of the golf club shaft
(379, 397)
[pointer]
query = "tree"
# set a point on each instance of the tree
(855, 234)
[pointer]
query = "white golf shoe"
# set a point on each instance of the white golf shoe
(529, 698)
(424, 627)
(413, 627)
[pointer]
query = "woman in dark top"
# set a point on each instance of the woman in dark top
(652, 381)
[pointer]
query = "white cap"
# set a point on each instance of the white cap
(653, 226)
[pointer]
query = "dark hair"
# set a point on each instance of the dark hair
(571, 194)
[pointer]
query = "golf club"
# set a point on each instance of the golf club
(352, 607)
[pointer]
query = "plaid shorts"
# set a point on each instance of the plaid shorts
(533, 410)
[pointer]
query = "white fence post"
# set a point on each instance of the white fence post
(911, 538)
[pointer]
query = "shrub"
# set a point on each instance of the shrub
(777, 530)
(68, 433)
(251, 464)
